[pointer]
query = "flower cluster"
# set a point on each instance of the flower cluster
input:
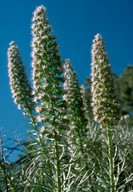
(104, 102)
(47, 70)
(20, 87)
(72, 97)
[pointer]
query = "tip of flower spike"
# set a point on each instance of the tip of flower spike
(39, 10)
(12, 43)
(98, 36)
(67, 60)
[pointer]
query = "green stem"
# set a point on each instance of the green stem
(111, 164)
(58, 162)
(33, 122)
(80, 135)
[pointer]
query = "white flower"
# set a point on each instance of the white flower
(40, 118)
(38, 109)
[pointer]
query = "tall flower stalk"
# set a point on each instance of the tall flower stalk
(104, 102)
(75, 115)
(20, 87)
(47, 71)
(47, 82)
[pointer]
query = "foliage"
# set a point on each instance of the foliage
(125, 85)
(66, 150)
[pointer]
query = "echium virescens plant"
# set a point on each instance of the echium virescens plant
(75, 115)
(77, 139)
(104, 102)
(20, 87)
(47, 72)
(47, 83)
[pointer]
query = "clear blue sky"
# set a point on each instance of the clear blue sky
(75, 22)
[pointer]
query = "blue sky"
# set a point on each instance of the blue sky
(75, 22)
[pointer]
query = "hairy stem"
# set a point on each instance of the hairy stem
(58, 162)
(111, 164)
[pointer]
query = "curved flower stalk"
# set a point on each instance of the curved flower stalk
(104, 102)
(20, 87)
(75, 114)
